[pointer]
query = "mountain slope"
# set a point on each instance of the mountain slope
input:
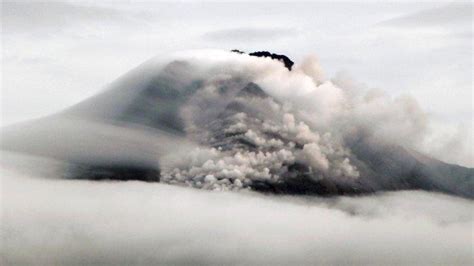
(213, 127)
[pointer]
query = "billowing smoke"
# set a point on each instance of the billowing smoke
(281, 118)
(228, 121)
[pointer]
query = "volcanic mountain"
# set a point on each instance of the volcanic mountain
(231, 121)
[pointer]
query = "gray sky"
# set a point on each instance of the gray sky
(58, 53)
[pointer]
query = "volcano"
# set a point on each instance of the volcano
(232, 121)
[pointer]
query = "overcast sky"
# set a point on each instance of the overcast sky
(58, 53)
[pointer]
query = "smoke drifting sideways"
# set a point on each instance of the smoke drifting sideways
(47, 220)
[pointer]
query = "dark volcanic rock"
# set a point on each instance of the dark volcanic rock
(282, 58)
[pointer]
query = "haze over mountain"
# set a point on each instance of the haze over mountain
(229, 121)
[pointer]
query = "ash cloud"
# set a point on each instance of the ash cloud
(302, 117)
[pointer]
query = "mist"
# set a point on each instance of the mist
(46, 221)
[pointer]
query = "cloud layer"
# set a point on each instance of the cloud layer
(58, 222)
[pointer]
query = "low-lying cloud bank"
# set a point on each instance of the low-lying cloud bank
(48, 221)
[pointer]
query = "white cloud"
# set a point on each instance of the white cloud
(69, 222)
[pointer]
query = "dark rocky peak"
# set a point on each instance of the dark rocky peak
(282, 58)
